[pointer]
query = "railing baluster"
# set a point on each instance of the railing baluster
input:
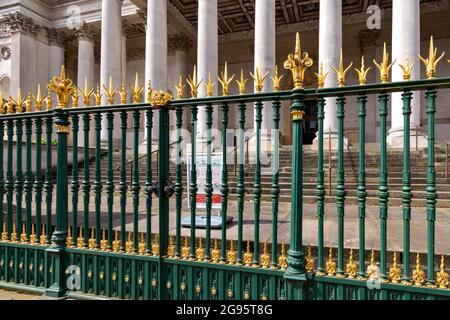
(149, 182)
(9, 184)
(38, 182)
(135, 186)
(86, 179)
(123, 186)
(431, 194)
(383, 193)
(193, 188)
(28, 184)
(320, 189)
(275, 180)
(179, 182)
(75, 178)
(406, 185)
(110, 181)
(208, 183)
(241, 180)
(362, 194)
(98, 179)
(224, 187)
(18, 184)
(340, 189)
(2, 176)
(48, 183)
(257, 185)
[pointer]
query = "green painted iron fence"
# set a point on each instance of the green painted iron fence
(123, 238)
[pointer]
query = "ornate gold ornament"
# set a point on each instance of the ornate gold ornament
(142, 247)
(276, 80)
(200, 252)
(14, 233)
(298, 63)
(129, 244)
(160, 99)
(69, 237)
(194, 83)
(19, 103)
(98, 97)
(418, 276)
(432, 61)
(29, 103)
(137, 90)
(309, 261)
(10, 106)
(282, 263)
(330, 266)
(215, 253)
(180, 88)
(111, 93)
(4, 233)
(86, 94)
(297, 115)
(395, 272)
(62, 129)
(442, 276)
(75, 100)
(171, 248)
(321, 77)
(80, 239)
(38, 99)
(149, 91)
(33, 238)
(232, 254)
(351, 268)
(123, 94)
(342, 71)
(225, 80)
(186, 249)
(248, 256)
(2, 104)
(407, 69)
(23, 235)
(104, 241)
(155, 246)
(62, 87)
(258, 78)
(92, 243)
(241, 83)
(210, 86)
(363, 72)
(372, 271)
(384, 67)
(264, 258)
(116, 242)
(49, 100)
(43, 237)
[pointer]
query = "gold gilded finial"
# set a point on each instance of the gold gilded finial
(298, 63)
(38, 99)
(33, 235)
(372, 271)
(155, 246)
(341, 72)
(4, 233)
(142, 247)
(309, 261)
(321, 77)
(210, 86)
(241, 83)
(442, 276)
(80, 239)
(432, 61)
(137, 90)
(104, 241)
(259, 79)
(407, 69)
(225, 80)
(123, 94)
(180, 88)
(43, 237)
(110, 92)
(418, 274)
(75, 100)
(69, 237)
(86, 93)
(2, 104)
(232, 254)
(23, 235)
(186, 249)
(215, 253)
(10, 106)
(200, 252)
(282, 263)
(62, 87)
(265, 257)
(19, 103)
(29, 103)
(330, 266)
(194, 83)
(116, 242)
(98, 97)
(171, 248)
(248, 256)
(395, 272)
(14, 233)
(363, 72)
(351, 268)
(129, 244)
(49, 100)
(149, 91)
(92, 243)
(384, 67)
(276, 80)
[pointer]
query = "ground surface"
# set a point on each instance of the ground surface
(11, 295)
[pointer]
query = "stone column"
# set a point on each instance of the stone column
(156, 56)
(330, 44)
(111, 53)
(124, 56)
(405, 41)
(23, 32)
(207, 59)
(56, 52)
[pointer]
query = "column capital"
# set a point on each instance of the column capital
(17, 22)
(55, 38)
(5, 52)
(86, 32)
(178, 42)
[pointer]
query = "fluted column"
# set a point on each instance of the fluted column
(111, 53)
(56, 52)
(405, 40)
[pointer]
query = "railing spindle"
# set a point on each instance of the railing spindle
(86, 179)
(123, 186)
(193, 188)
(275, 180)
(149, 182)
(135, 186)
(340, 189)
(241, 180)
(224, 187)
(320, 189)
(208, 183)
(9, 184)
(48, 183)
(110, 180)
(2, 175)
(179, 182)
(75, 178)
(38, 182)
(18, 184)
(98, 178)
(28, 184)
(257, 185)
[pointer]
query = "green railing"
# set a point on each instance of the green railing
(127, 242)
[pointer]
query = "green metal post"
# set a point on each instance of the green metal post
(98, 187)
(2, 176)
(135, 185)
(86, 179)
(149, 182)
(75, 187)
(275, 180)
(208, 181)
(179, 182)
(18, 184)
(193, 188)
(48, 183)
(224, 187)
(241, 180)
(340, 189)
(110, 180)
(257, 184)
(362, 193)
(9, 184)
(123, 187)
(28, 183)
(320, 189)
(38, 182)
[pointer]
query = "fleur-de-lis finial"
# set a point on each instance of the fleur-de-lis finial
(330, 265)
(384, 67)
(418, 273)
(442, 276)
(2, 103)
(432, 61)
(137, 90)
(49, 100)
(341, 72)
(19, 103)
(351, 267)
(29, 103)
(225, 80)
(10, 106)
(194, 83)
(298, 63)
(407, 69)
(210, 86)
(395, 273)
(62, 87)
(98, 96)
(309, 261)
(259, 79)
(241, 82)
(38, 99)
(321, 77)
(86, 93)
(363, 72)
(149, 91)
(282, 259)
(372, 272)
(110, 92)
(123, 94)
(75, 99)
(276, 80)
(180, 88)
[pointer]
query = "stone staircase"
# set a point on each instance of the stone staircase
(395, 163)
